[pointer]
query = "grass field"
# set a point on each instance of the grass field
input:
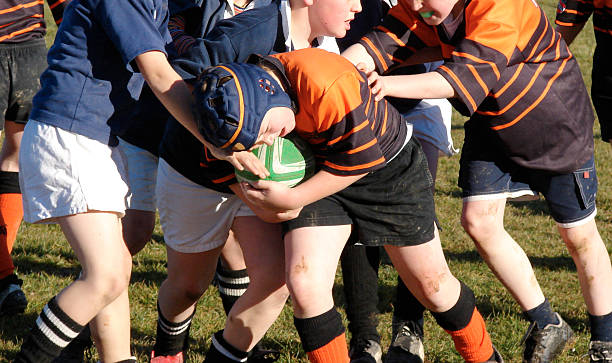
(46, 264)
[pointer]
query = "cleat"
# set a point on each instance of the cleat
(496, 358)
(543, 345)
(600, 352)
(12, 299)
(261, 355)
(177, 358)
(79, 349)
(407, 344)
(366, 351)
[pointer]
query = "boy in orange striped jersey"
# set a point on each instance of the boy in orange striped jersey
(530, 131)
(360, 145)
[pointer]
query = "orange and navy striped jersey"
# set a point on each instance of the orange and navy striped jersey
(350, 133)
(22, 20)
(574, 12)
(512, 73)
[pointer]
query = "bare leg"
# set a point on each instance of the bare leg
(257, 309)
(96, 239)
(137, 228)
(484, 222)
(593, 265)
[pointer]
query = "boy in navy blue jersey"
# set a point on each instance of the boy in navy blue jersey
(73, 174)
(360, 144)
(22, 59)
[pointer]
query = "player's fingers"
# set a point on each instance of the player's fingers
(251, 163)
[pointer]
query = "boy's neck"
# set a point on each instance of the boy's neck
(301, 31)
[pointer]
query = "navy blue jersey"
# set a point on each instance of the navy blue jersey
(91, 78)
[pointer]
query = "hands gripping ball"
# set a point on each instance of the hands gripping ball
(289, 161)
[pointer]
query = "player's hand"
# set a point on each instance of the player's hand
(377, 85)
(361, 66)
(269, 195)
(242, 160)
(275, 217)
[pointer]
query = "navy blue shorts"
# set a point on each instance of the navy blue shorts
(391, 206)
(20, 67)
(570, 197)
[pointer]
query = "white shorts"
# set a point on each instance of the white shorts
(142, 176)
(194, 218)
(431, 121)
(63, 173)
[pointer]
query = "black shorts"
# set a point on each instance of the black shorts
(391, 206)
(20, 67)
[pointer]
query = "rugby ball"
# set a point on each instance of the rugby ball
(289, 161)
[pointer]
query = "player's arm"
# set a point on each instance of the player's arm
(359, 56)
(175, 95)
(266, 215)
(415, 86)
(276, 196)
(569, 33)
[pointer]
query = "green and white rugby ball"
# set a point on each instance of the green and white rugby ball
(289, 161)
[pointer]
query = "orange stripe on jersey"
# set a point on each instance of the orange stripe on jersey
(375, 50)
(542, 53)
(537, 101)
(510, 81)
(354, 130)
(384, 126)
(30, 28)
(478, 60)
(356, 167)
(21, 6)
(224, 179)
(602, 30)
(58, 2)
(392, 36)
(363, 147)
(58, 21)
(376, 113)
(517, 98)
(241, 98)
(459, 84)
(537, 44)
(478, 78)
(564, 24)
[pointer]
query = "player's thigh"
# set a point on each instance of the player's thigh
(312, 254)
(261, 244)
(193, 271)
(96, 239)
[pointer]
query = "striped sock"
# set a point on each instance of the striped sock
(221, 351)
(53, 331)
(323, 337)
(172, 338)
(232, 284)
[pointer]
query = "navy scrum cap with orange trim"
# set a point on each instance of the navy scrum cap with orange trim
(231, 100)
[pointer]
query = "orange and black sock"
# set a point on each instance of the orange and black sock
(11, 213)
(467, 328)
(323, 337)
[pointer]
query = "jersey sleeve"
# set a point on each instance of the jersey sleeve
(475, 66)
(231, 40)
(133, 27)
(573, 12)
(351, 146)
(399, 36)
(57, 9)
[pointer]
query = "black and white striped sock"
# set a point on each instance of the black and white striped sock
(172, 338)
(232, 284)
(53, 331)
